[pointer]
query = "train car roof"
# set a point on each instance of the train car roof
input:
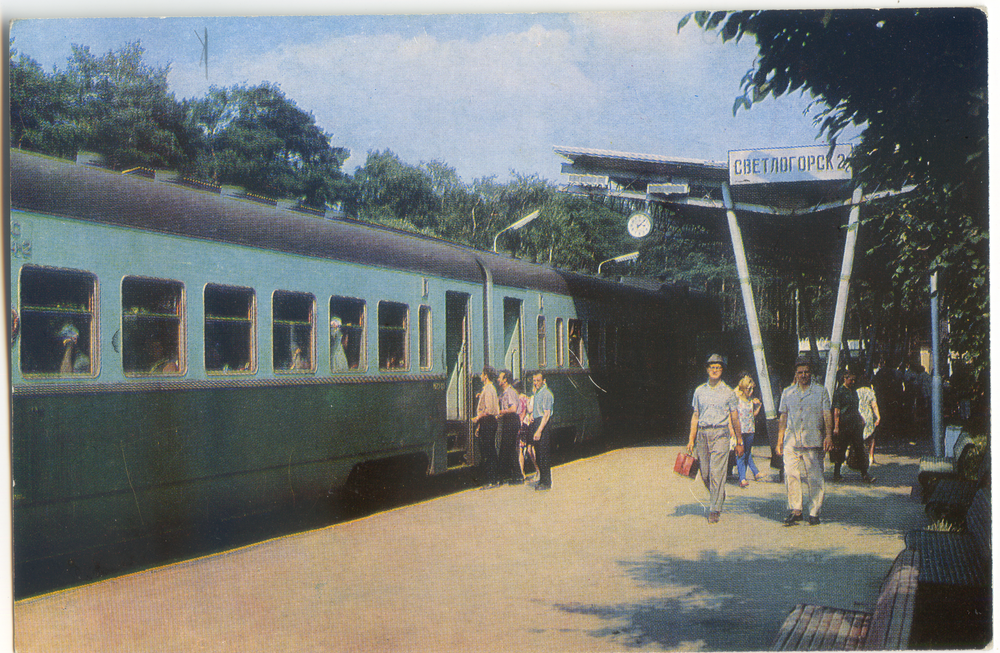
(66, 189)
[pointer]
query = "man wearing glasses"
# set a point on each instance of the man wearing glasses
(715, 417)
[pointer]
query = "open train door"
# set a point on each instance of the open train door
(458, 392)
(513, 336)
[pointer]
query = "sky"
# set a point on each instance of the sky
(487, 94)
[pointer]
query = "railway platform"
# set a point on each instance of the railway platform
(618, 555)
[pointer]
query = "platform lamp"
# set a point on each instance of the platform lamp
(514, 227)
(618, 259)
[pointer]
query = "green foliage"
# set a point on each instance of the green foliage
(113, 104)
(915, 80)
(124, 110)
(41, 109)
(391, 189)
(570, 232)
(256, 137)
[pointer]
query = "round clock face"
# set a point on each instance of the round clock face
(639, 225)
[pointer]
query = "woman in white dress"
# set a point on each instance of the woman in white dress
(868, 406)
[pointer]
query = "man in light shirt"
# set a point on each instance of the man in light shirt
(805, 434)
(714, 420)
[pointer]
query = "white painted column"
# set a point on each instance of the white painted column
(836, 338)
(763, 378)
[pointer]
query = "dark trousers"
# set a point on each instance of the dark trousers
(487, 434)
(542, 452)
(510, 425)
(851, 437)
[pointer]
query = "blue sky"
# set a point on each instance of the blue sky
(484, 93)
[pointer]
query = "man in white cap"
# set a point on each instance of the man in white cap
(714, 419)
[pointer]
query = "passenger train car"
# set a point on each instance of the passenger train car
(179, 355)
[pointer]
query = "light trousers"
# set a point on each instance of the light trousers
(711, 446)
(804, 466)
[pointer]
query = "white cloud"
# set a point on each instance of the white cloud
(501, 99)
(425, 98)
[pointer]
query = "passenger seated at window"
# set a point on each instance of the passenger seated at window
(229, 352)
(575, 344)
(74, 361)
(162, 362)
(299, 360)
(354, 359)
(338, 345)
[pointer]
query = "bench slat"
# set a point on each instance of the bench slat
(819, 628)
(957, 559)
(947, 558)
(802, 635)
(933, 468)
(788, 629)
(952, 494)
(892, 620)
(858, 633)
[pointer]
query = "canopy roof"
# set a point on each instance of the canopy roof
(800, 223)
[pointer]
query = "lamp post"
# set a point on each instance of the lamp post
(514, 227)
(618, 259)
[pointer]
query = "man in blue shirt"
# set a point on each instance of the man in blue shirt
(541, 413)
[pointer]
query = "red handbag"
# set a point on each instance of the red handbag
(686, 465)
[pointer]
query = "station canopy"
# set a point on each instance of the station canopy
(799, 223)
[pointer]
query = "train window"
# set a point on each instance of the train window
(152, 327)
(293, 316)
(426, 343)
(58, 321)
(230, 328)
(393, 327)
(347, 334)
(542, 353)
(593, 343)
(575, 343)
(560, 347)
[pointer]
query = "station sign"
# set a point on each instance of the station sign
(788, 164)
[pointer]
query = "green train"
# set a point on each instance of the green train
(180, 355)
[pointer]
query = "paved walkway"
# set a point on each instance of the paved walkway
(617, 556)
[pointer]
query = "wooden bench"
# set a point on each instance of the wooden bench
(933, 468)
(951, 497)
(888, 626)
(954, 594)
(962, 559)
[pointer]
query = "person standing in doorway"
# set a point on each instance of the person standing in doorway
(713, 420)
(487, 411)
(510, 424)
(804, 435)
(541, 436)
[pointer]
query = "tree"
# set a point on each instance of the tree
(391, 190)
(124, 108)
(42, 111)
(256, 137)
(915, 80)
